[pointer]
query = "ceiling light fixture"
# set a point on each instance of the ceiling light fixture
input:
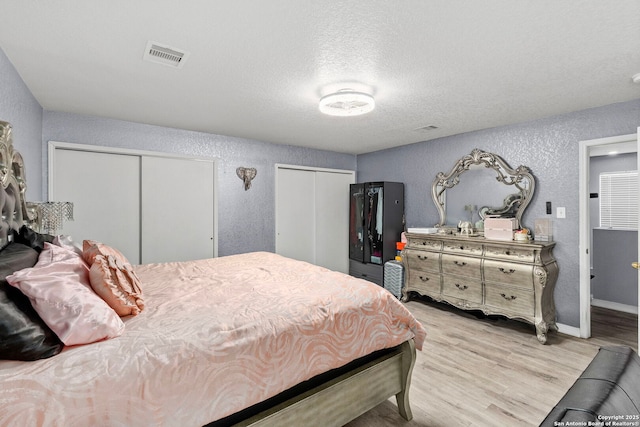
(347, 103)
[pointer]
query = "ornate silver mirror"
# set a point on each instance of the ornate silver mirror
(482, 184)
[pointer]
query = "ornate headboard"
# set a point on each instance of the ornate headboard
(12, 187)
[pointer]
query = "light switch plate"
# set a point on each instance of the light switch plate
(561, 212)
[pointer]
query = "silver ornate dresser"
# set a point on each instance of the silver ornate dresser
(460, 266)
(512, 279)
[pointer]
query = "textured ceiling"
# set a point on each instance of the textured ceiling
(257, 69)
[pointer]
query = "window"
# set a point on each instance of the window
(619, 200)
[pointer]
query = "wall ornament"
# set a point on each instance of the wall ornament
(246, 175)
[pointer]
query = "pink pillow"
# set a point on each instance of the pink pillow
(92, 248)
(117, 284)
(59, 290)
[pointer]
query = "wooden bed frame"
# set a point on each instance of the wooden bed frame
(347, 396)
(336, 400)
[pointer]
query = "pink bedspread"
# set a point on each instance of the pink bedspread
(216, 336)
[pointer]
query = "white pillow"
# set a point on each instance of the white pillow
(59, 290)
(68, 243)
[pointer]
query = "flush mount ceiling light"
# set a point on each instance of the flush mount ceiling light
(347, 103)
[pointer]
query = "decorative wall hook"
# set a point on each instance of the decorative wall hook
(246, 175)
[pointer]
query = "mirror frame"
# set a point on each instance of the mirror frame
(505, 175)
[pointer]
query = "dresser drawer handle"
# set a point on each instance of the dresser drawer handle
(423, 257)
(507, 252)
(461, 287)
(459, 263)
(424, 279)
(505, 271)
(462, 248)
(508, 298)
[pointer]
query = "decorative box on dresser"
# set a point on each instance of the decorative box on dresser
(509, 278)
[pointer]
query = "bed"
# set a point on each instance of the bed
(249, 339)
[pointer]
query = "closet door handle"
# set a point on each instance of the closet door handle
(505, 271)
(461, 287)
(459, 263)
(424, 279)
(508, 298)
(423, 257)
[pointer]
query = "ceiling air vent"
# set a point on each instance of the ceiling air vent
(162, 54)
(426, 128)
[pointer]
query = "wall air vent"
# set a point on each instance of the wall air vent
(162, 54)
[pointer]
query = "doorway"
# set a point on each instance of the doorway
(588, 149)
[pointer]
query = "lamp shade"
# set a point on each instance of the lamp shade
(51, 215)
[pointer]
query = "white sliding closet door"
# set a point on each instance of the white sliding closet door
(177, 209)
(105, 192)
(295, 219)
(152, 207)
(332, 220)
(312, 215)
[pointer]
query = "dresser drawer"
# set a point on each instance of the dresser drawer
(463, 247)
(461, 266)
(509, 299)
(424, 243)
(519, 275)
(422, 260)
(423, 282)
(461, 287)
(510, 253)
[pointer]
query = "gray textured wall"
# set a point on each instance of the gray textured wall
(20, 108)
(549, 147)
(246, 219)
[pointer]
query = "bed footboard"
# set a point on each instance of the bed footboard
(340, 400)
(408, 361)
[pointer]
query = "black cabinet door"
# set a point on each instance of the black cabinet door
(356, 222)
(376, 221)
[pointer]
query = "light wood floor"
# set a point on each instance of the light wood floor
(493, 371)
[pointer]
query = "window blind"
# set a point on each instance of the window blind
(619, 200)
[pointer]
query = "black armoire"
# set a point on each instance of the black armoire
(376, 221)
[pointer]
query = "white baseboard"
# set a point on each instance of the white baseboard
(633, 309)
(568, 330)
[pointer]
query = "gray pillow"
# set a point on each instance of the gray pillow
(32, 238)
